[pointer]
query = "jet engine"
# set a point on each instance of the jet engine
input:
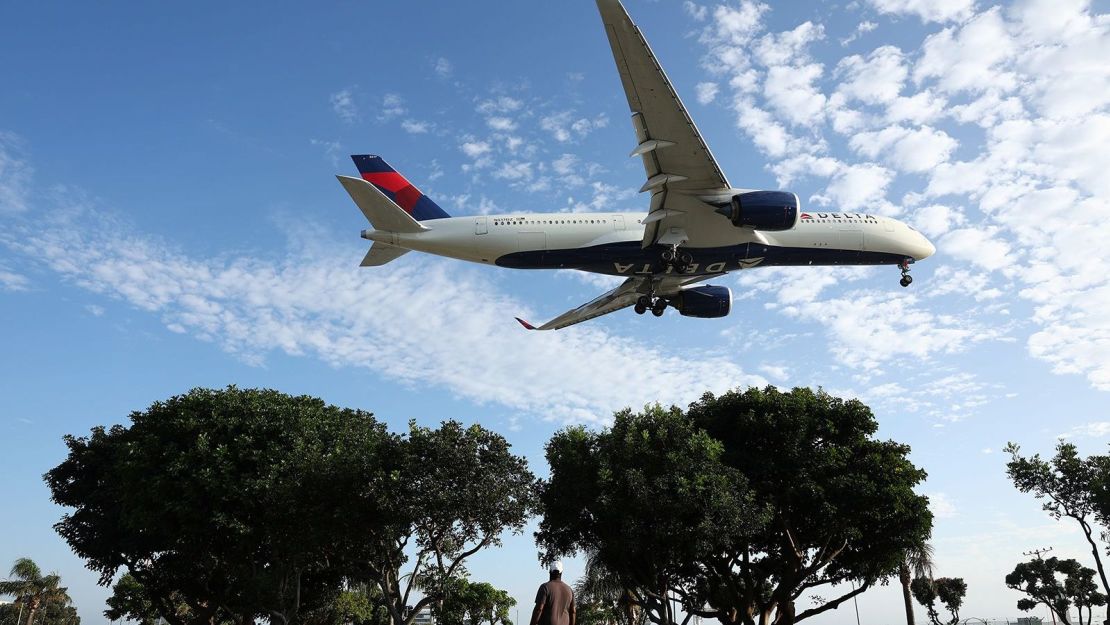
(762, 210)
(704, 302)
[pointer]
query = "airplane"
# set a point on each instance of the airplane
(697, 227)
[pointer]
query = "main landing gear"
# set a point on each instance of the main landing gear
(680, 261)
(907, 279)
(657, 305)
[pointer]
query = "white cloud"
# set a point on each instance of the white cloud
(95, 310)
(696, 11)
(789, 47)
(927, 10)
(1095, 429)
(12, 281)
(564, 127)
(979, 246)
(876, 79)
(707, 92)
(859, 187)
(501, 124)
(936, 219)
(941, 506)
(475, 149)
(514, 170)
(319, 304)
(343, 105)
(918, 150)
(393, 106)
(863, 28)
(499, 105)
(415, 127)
(791, 93)
(971, 57)
(443, 67)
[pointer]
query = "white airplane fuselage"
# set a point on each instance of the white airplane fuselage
(610, 243)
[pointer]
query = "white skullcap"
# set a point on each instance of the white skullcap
(556, 566)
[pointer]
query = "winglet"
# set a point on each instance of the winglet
(527, 326)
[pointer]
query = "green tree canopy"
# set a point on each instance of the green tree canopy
(1072, 487)
(949, 590)
(1040, 580)
(457, 490)
(232, 502)
(742, 504)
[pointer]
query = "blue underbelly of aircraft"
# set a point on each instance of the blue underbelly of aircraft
(629, 258)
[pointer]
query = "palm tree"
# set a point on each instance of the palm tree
(33, 589)
(600, 586)
(916, 562)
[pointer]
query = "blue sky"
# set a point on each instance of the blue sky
(170, 220)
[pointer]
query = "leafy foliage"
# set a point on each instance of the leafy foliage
(456, 491)
(949, 590)
(1039, 579)
(232, 502)
(741, 504)
(1072, 487)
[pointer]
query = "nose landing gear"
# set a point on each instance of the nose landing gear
(907, 279)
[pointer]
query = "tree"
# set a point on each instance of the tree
(235, 503)
(1038, 579)
(1067, 484)
(652, 499)
(481, 601)
(843, 505)
(32, 589)
(950, 591)
(456, 491)
(601, 598)
(739, 506)
(916, 562)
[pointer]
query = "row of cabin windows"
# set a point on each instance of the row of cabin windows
(542, 222)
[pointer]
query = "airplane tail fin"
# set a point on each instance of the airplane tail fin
(394, 186)
(382, 213)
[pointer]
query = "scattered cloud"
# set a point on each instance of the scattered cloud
(393, 106)
(707, 92)
(927, 10)
(565, 126)
(1095, 429)
(15, 175)
(942, 506)
(317, 304)
(442, 67)
(343, 105)
(414, 127)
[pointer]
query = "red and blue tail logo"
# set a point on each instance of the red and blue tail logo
(378, 173)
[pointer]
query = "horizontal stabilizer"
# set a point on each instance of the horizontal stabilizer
(380, 211)
(382, 253)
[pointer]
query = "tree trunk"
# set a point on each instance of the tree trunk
(31, 610)
(1094, 552)
(904, 577)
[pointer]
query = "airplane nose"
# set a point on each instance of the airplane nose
(922, 248)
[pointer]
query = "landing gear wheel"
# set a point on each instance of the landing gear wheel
(686, 258)
(640, 308)
(906, 278)
(659, 307)
(679, 266)
(668, 255)
(642, 304)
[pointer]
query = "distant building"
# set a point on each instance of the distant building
(1029, 620)
(425, 617)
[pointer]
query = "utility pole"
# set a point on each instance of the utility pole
(1036, 553)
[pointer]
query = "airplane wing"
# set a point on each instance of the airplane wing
(623, 296)
(676, 158)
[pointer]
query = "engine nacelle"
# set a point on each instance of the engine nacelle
(762, 210)
(704, 302)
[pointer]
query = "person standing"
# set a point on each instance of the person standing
(554, 600)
